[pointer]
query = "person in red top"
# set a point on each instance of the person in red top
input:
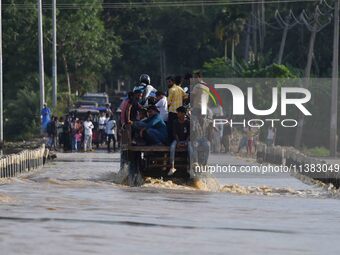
(133, 107)
(123, 107)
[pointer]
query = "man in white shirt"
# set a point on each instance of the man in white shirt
(162, 105)
(102, 124)
(110, 133)
(88, 126)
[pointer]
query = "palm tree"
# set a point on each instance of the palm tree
(228, 28)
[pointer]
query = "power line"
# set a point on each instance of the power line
(286, 22)
(326, 4)
(313, 22)
(124, 5)
(41, 55)
(270, 25)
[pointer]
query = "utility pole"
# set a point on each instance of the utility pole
(202, 8)
(54, 59)
(314, 27)
(306, 82)
(286, 24)
(335, 81)
(41, 55)
(1, 85)
(282, 46)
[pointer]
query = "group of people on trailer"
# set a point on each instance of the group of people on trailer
(156, 117)
(76, 134)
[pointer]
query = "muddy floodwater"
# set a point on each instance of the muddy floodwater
(72, 206)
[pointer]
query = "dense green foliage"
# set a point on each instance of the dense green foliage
(98, 46)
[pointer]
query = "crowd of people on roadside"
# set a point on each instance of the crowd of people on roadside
(250, 138)
(75, 134)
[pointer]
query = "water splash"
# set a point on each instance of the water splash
(4, 199)
(261, 190)
(166, 184)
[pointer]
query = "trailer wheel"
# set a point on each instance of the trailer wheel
(135, 177)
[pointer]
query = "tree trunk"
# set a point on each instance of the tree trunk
(162, 66)
(316, 66)
(335, 81)
(246, 48)
(225, 50)
(233, 53)
(164, 63)
(260, 21)
(254, 31)
(161, 69)
(68, 79)
(263, 20)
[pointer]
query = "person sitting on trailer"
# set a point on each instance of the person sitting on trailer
(176, 95)
(143, 114)
(162, 105)
(153, 130)
(123, 108)
(181, 134)
(133, 107)
(147, 89)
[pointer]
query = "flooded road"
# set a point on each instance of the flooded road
(73, 207)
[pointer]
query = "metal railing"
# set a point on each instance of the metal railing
(24, 161)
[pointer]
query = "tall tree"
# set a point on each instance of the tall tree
(228, 28)
(85, 46)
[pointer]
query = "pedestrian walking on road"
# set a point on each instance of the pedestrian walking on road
(271, 136)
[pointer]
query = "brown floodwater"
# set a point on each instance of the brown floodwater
(73, 206)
